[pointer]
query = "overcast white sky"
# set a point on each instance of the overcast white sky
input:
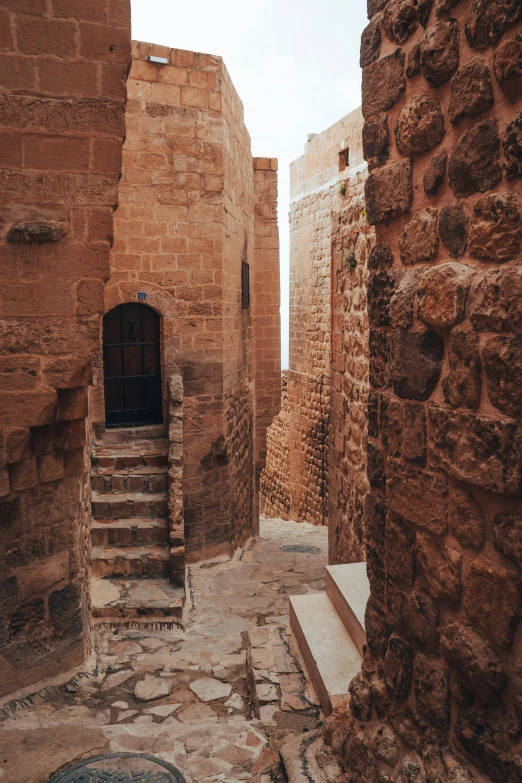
(295, 64)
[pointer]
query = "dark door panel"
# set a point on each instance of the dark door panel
(132, 366)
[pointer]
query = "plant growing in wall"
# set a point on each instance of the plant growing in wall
(342, 189)
(351, 260)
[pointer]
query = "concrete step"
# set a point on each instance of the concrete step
(129, 505)
(330, 655)
(139, 479)
(131, 434)
(130, 561)
(348, 589)
(130, 532)
(140, 599)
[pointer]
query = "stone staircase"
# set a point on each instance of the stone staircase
(329, 629)
(129, 529)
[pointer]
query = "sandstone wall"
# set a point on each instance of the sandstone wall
(240, 508)
(352, 240)
(267, 305)
(275, 478)
(442, 679)
(326, 213)
(183, 227)
(62, 75)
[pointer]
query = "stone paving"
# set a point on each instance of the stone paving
(184, 695)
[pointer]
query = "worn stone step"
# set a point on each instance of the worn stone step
(132, 434)
(130, 532)
(329, 652)
(134, 459)
(348, 589)
(129, 561)
(136, 447)
(140, 479)
(129, 505)
(299, 757)
(140, 599)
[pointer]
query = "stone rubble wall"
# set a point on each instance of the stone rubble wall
(175, 480)
(320, 192)
(323, 426)
(348, 485)
(309, 403)
(439, 697)
(275, 478)
(63, 66)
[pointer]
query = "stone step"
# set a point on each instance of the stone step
(140, 479)
(129, 505)
(134, 447)
(139, 599)
(299, 757)
(130, 532)
(139, 453)
(131, 434)
(129, 561)
(126, 460)
(274, 674)
(330, 655)
(348, 589)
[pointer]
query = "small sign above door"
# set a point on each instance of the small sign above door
(142, 295)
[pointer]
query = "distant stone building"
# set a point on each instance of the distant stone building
(139, 325)
(324, 469)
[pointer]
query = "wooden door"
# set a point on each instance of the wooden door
(132, 366)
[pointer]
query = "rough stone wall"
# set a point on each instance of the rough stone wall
(175, 480)
(275, 478)
(321, 194)
(444, 524)
(267, 304)
(62, 76)
(184, 225)
(240, 508)
(352, 240)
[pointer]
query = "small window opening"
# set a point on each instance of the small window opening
(245, 285)
(344, 160)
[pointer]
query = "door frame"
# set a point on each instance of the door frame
(163, 373)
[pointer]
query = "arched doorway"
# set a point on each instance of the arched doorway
(132, 366)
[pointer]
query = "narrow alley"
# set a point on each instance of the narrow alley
(216, 699)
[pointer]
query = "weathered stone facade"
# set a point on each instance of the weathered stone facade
(63, 71)
(185, 222)
(192, 206)
(352, 240)
(275, 478)
(328, 253)
(441, 674)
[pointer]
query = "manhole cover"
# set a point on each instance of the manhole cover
(121, 768)
(302, 550)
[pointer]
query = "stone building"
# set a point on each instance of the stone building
(142, 291)
(316, 469)
(139, 323)
(438, 697)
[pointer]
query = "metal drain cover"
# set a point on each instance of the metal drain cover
(302, 550)
(121, 768)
